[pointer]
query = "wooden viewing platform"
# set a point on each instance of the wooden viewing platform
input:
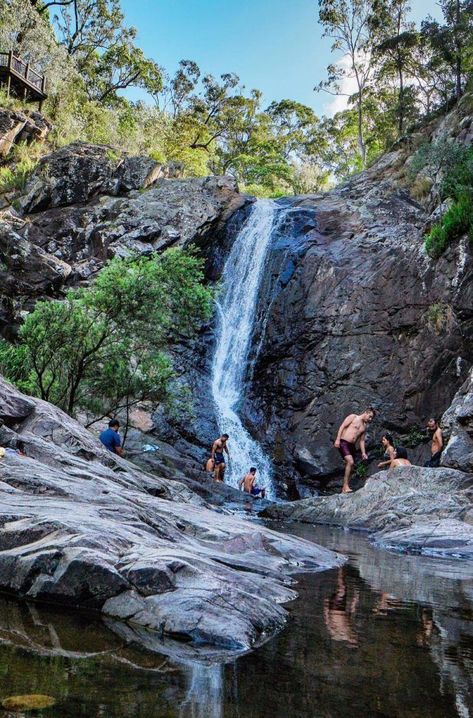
(21, 80)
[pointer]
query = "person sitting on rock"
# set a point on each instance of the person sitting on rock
(387, 442)
(218, 449)
(248, 484)
(111, 439)
(400, 458)
(210, 465)
(437, 443)
(352, 429)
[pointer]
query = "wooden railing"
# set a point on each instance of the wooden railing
(22, 70)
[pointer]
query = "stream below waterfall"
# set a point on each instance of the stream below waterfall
(386, 635)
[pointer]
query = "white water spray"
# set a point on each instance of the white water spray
(241, 282)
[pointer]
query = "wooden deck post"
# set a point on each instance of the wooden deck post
(10, 55)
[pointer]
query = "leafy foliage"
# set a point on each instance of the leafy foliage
(453, 163)
(105, 348)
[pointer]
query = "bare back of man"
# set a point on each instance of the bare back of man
(249, 486)
(351, 430)
(247, 482)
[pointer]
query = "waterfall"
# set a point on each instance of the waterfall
(241, 282)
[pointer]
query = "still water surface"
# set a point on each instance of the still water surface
(385, 636)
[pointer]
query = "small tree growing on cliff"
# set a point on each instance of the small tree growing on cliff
(105, 348)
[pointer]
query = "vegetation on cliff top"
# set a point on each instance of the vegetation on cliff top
(212, 125)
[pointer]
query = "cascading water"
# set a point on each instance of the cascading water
(241, 282)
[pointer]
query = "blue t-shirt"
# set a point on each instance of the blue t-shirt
(110, 439)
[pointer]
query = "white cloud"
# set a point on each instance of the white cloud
(348, 87)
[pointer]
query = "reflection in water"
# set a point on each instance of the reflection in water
(384, 636)
(204, 695)
(339, 612)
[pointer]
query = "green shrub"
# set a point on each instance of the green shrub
(457, 221)
(13, 179)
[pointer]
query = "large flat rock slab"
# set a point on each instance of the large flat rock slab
(83, 528)
(412, 509)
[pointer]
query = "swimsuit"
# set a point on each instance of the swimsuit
(219, 458)
(255, 491)
(347, 448)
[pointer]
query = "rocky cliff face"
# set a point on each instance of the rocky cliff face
(357, 315)
(352, 312)
(83, 205)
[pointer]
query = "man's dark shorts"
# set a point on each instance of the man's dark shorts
(434, 461)
(347, 449)
(219, 458)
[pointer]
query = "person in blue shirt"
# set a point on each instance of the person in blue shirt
(111, 439)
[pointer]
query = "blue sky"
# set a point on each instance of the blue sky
(273, 45)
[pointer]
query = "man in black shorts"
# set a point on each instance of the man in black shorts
(218, 449)
(436, 447)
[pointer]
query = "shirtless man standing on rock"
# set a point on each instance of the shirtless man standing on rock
(352, 429)
(437, 444)
(217, 456)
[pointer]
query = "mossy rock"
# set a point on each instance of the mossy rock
(33, 701)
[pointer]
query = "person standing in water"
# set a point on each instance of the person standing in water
(437, 444)
(219, 449)
(248, 484)
(351, 430)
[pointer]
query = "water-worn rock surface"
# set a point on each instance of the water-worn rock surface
(411, 508)
(457, 423)
(81, 527)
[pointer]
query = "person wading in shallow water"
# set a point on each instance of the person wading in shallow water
(220, 448)
(351, 430)
(437, 444)
(248, 484)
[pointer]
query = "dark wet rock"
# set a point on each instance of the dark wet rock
(162, 459)
(353, 313)
(27, 272)
(412, 509)
(137, 173)
(87, 208)
(457, 423)
(82, 527)
(18, 127)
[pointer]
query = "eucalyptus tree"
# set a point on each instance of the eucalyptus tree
(347, 23)
(452, 40)
(395, 38)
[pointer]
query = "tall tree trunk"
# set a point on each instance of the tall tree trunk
(401, 102)
(458, 51)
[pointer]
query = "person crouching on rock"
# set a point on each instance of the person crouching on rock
(400, 458)
(219, 449)
(248, 484)
(111, 439)
(437, 443)
(387, 442)
(351, 430)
